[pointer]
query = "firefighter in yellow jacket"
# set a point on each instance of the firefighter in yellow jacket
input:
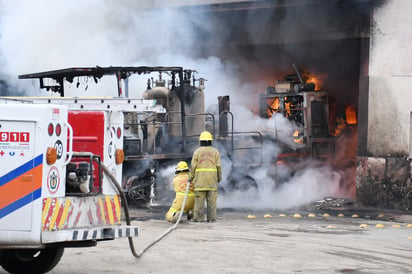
(205, 174)
(180, 182)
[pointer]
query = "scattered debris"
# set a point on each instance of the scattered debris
(333, 203)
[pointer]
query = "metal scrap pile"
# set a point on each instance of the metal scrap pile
(333, 203)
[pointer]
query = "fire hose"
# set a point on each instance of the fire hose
(127, 216)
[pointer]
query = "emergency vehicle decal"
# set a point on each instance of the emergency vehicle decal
(21, 186)
(22, 138)
(59, 148)
(53, 180)
(69, 213)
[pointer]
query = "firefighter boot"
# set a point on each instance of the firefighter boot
(190, 215)
(175, 217)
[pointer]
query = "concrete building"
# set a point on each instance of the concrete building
(363, 50)
(383, 158)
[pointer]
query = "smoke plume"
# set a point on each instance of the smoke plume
(46, 35)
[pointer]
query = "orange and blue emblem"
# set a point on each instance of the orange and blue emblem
(21, 186)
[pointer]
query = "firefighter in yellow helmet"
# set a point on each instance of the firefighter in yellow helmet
(180, 182)
(205, 174)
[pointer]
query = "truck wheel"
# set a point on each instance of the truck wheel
(138, 194)
(31, 260)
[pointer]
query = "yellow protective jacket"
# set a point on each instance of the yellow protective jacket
(180, 182)
(206, 168)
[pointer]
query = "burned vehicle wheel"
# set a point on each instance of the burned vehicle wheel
(31, 260)
(138, 194)
(137, 190)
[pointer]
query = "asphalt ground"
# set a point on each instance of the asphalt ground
(311, 239)
(324, 237)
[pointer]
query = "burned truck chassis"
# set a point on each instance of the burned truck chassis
(146, 150)
(161, 140)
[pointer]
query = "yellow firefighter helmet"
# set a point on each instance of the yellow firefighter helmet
(182, 166)
(205, 136)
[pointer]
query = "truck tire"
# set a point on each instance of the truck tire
(31, 260)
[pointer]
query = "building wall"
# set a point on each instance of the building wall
(390, 79)
(383, 168)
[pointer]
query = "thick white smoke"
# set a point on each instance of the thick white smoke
(47, 35)
(292, 186)
(308, 185)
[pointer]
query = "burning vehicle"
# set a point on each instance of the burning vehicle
(152, 141)
(308, 111)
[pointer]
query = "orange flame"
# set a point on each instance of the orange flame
(350, 115)
(297, 139)
(274, 106)
(317, 79)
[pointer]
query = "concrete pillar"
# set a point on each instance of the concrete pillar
(383, 176)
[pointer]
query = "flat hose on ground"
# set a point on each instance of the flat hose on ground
(127, 216)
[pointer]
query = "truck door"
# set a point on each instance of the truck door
(18, 172)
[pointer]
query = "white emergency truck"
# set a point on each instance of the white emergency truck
(60, 165)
